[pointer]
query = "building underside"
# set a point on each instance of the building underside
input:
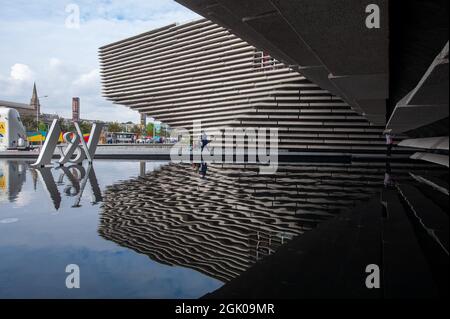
(201, 72)
(327, 41)
(396, 74)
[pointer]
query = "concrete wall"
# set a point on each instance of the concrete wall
(201, 72)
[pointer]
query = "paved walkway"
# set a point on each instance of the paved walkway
(115, 151)
(162, 152)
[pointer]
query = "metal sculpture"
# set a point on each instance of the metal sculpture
(76, 145)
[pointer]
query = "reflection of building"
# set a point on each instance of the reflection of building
(12, 177)
(25, 110)
(200, 71)
(224, 225)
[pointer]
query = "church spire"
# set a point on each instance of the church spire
(34, 103)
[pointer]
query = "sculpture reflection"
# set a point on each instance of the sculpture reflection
(46, 178)
(73, 179)
(12, 178)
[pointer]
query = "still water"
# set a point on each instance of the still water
(47, 224)
(160, 230)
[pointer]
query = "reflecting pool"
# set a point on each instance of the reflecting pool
(160, 230)
(50, 219)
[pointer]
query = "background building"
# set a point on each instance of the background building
(25, 110)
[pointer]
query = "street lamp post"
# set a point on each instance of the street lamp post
(37, 114)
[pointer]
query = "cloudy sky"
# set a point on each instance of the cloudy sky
(41, 42)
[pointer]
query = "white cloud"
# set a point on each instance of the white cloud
(54, 62)
(64, 62)
(19, 80)
(21, 72)
(88, 80)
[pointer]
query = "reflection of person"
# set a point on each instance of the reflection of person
(203, 169)
(388, 181)
(389, 143)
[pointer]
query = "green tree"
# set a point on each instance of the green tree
(115, 127)
(31, 125)
(85, 127)
(62, 124)
(149, 129)
(43, 126)
(71, 127)
(136, 129)
(29, 122)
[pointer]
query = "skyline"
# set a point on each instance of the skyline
(63, 60)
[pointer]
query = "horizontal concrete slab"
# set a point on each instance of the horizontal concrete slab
(428, 102)
(430, 157)
(431, 143)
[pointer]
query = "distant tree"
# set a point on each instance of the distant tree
(115, 127)
(136, 129)
(63, 125)
(149, 129)
(43, 126)
(85, 127)
(29, 122)
(70, 127)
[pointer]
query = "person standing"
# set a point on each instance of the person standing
(204, 141)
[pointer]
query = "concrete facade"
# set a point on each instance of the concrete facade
(394, 73)
(201, 72)
(327, 41)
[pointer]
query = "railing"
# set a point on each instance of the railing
(264, 62)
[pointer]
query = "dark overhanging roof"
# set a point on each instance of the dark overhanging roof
(418, 35)
(329, 44)
(327, 40)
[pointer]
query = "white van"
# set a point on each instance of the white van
(12, 132)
